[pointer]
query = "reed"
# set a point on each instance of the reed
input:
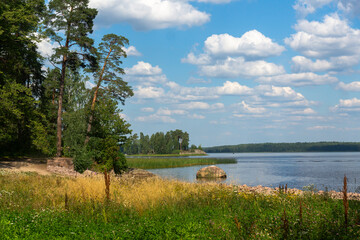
(153, 163)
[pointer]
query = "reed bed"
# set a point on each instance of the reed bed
(54, 207)
(163, 162)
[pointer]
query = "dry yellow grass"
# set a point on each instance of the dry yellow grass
(50, 191)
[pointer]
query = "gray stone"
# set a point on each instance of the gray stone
(211, 172)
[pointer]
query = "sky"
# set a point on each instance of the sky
(239, 71)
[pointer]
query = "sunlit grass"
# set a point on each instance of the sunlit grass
(51, 207)
(153, 162)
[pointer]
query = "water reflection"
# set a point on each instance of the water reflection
(274, 169)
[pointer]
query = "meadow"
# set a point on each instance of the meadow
(168, 162)
(55, 207)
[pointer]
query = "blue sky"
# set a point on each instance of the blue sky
(240, 71)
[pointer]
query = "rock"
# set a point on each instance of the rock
(211, 172)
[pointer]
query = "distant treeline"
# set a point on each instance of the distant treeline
(157, 143)
(287, 147)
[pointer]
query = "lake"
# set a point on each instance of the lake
(323, 170)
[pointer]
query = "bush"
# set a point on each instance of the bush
(83, 160)
(111, 157)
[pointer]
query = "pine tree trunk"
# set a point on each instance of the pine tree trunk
(94, 99)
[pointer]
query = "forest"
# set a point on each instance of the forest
(45, 108)
(171, 142)
(287, 147)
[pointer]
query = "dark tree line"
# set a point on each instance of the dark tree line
(288, 147)
(50, 112)
(158, 143)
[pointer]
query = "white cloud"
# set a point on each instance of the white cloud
(252, 44)
(144, 69)
(233, 88)
(148, 92)
(196, 116)
(331, 38)
(215, 1)
(353, 86)
(238, 67)
(306, 111)
(168, 112)
(131, 51)
(200, 106)
(305, 7)
(350, 6)
(202, 59)
(156, 118)
(299, 79)
(347, 105)
(89, 85)
(246, 108)
(279, 93)
(147, 109)
(194, 80)
(46, 47)
(303, 64)
(124, 116)
(149, 14)
(145, 73)
(320, 127)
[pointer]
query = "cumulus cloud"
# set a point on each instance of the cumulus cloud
(196, 116)
(168, 112)
(143, 68)
(303, 64)
(331, 38)
(148, 92)
(252, 44)
(145, 73)
(46, 47)
(156, 118)
(201, 106)
(347, 105)
(306, 111)
(215, 1)
(230, 57)
(353, 86)
(305, 7)
(350, 6)
(146, 15)
(233, 88)
(273, 96)
(246, 108)
(131, 51)
(238, 67)
(299, 79)
(320, 127)
(147, 109)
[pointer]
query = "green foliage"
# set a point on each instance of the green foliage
(83, 159)
(110, 157)
(288, 147)
(158, 143)
(22, 126)
(220, 212)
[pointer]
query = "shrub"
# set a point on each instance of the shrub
(83, 160)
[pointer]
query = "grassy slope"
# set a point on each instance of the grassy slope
(34, 207)
(153, 162)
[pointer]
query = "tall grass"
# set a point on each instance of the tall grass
(50, 207)
(152, 163)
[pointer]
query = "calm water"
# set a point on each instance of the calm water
(294, 169)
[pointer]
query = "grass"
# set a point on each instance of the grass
(34, 207)
(166, 155)
(153, 162)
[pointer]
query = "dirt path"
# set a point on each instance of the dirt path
(37, 165)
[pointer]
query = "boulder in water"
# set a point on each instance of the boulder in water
(211, 172)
